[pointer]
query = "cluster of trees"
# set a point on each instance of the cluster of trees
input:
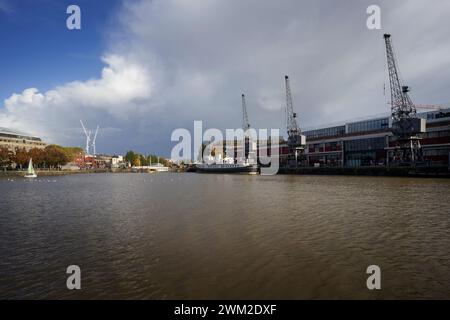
(137, 159)
(52, 156)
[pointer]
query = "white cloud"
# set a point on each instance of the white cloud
(123, 89)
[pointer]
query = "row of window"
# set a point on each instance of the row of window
(371, 125)
(365, 144)
(365, 126)
(13, 136)
(326, 132)
(436, 152)
(438, 115)
(436, 134)
(328, 146)
(7, 141)
(363, 158)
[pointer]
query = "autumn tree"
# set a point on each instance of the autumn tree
(55, 156)
(21, 157)
(5, 157)
(37, 155)
(136, 162)
(73, 152)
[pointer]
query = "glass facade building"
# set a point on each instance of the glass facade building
(365, 152)
(368, 142)
(326, 132)
(365, 144)
(370, 125)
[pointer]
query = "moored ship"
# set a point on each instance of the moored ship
(226, 165)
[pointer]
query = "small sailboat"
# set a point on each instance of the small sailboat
(30, 172)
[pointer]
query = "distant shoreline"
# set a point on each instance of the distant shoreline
(46, 173)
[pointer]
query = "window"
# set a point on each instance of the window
(326, 132)
(365, 144)
(370, 125)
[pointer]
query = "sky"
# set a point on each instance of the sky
(141, 68)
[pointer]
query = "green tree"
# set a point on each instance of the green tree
(73, 152)
(144, 160)
(130, 156)
(55, 156)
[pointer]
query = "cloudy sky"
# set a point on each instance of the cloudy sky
(141, 69)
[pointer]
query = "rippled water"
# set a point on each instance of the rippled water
(224, 236)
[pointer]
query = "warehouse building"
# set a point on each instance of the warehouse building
(13, 139)
(367, 142)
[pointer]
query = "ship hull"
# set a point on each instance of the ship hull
(252, 169)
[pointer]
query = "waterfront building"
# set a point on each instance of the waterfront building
(13, 140)
(86, 162)
(103, 161)
(367, 142)
(117, 161)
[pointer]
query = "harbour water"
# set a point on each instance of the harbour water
(186, 235)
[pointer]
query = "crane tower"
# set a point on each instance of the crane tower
(406, 126)
(245, 127)
(296, 141)
(245, 123)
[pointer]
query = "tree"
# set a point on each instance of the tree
(21, 157)
(73, 153)
(136, 162)
(37, 155)
(54, 156)
(5, 157)
(130, 156)
(144, 160)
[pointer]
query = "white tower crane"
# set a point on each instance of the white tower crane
(88, 137)
(93, 140)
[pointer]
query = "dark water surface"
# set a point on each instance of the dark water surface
(224, 236)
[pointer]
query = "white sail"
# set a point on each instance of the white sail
(30, 171)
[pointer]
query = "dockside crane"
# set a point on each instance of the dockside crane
(245, 122)
(296, 141)
(94, 140)
(406, 126)
(88, 137)
(245, 127)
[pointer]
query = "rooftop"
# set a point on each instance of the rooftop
(17, 133)
(430, 115)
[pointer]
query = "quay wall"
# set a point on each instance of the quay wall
(434, 172)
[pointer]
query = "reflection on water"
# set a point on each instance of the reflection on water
(224, 236)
